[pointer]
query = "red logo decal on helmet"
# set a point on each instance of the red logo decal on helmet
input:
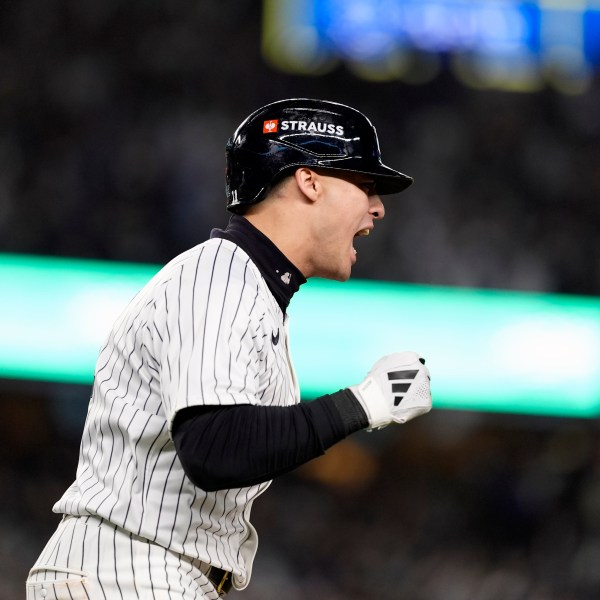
(270, 126)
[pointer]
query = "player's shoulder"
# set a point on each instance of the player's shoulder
(215, 258)
(204, 252)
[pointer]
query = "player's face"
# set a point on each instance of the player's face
(350, 209)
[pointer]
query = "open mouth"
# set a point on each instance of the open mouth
(361, 233)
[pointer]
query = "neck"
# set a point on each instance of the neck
(286, 233)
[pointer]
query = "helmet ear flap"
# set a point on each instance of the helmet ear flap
(247, 177)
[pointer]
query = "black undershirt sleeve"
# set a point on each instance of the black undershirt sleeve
(222, 447)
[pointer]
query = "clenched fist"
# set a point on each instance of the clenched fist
(395, 389)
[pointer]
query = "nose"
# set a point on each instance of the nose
(376, 208)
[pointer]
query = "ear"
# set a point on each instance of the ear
(308, 182)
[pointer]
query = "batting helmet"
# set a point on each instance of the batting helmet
(282, 136)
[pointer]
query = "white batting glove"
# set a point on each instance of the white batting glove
(395, 389)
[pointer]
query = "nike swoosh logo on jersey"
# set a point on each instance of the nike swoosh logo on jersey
(275, 338)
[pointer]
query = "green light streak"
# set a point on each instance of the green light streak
(487, 350)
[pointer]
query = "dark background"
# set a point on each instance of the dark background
(113, 122)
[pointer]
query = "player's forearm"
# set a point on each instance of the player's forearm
(238, 446)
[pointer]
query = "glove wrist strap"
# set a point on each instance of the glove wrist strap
(373, 402)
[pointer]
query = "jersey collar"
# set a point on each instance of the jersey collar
(282, 277)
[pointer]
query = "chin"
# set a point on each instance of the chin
(333, 276)
(340, 275)
(339, 272)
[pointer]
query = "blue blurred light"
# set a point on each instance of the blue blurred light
(500, 43)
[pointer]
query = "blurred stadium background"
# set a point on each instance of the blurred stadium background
(113, 120)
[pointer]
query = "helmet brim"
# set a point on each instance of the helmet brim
(387, 180)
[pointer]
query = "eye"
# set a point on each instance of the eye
(368, 187)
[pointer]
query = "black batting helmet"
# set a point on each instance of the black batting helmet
(280, 137)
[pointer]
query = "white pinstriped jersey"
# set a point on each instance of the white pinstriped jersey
(205, 330)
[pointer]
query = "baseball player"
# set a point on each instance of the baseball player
(195, 405)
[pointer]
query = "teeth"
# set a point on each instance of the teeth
(363, 232)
